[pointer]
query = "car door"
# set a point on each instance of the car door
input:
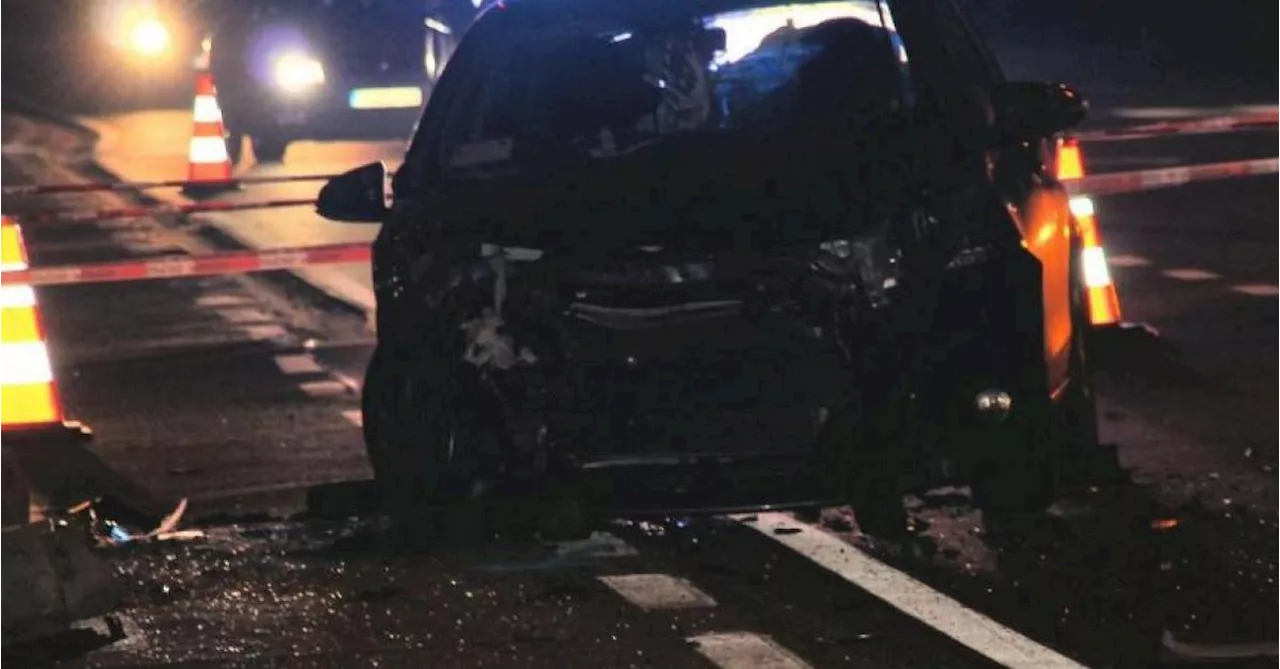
(963, 69)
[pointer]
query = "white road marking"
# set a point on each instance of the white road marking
(1134, 161)
(355, 417)
(1190, 274)
(976, 631)
(220, 301)
(297, 363)
(263, 332)
(1125, 260)
(1234, 651)
(653, 592)
(244, 315)
(327, 388)
(1257, 289)
(745, 650)
(1162, 113)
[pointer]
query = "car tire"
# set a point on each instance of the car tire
(235, 147)
(436, 479)
(1020, 475)
(414, 441)
(1056, 446)
(269, 149)
(870, 475)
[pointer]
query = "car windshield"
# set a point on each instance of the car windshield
(350, 9)
(602, 88)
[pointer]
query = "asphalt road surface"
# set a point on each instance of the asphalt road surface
(239, 393)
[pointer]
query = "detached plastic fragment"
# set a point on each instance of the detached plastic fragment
(110, 529)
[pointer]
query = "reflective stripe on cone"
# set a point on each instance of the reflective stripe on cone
(1104, 301)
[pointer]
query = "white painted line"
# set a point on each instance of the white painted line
(653, 592)
(1124, 260)
(263, 332)
(1257, 289)
(1135, 161)
(214, 301)
(745, 650)
(355, 417)
(244, 315)
(1190, 274)
(297, 363)
(980, 633)
(1163, 113)
(328, 388)
(1234, 651)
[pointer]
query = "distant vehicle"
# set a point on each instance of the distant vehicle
(327, 69)
(716, 255)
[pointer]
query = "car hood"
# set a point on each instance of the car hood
(694, 193)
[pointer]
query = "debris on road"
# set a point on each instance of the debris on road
(113, 525)
(52, 577)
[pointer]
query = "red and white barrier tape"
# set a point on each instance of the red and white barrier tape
(55, 189)
(241, 262)
(1191, 127)
(74, 216)
(1143, 180)
(230, 262)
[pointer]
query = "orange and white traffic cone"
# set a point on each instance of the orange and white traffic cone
(1104, 302)
(29, 401)
(52, 575)
(208, 163)
(43, 451)
(30, 396)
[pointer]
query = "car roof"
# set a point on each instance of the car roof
(551, 12)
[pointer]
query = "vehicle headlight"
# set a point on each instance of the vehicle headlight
(149, 37)
(296, 71)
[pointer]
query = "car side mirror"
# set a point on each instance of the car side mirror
(357, 196)
(1031, 110)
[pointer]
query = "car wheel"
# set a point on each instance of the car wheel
(863, 443)
(1019, 475)
(415, 441)
(269, 149)
(1042, 452)
(235, 147)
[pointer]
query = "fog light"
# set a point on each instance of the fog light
(993, 405)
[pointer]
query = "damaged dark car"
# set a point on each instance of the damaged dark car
(726, 255)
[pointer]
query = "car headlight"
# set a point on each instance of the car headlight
(296, 71)
(149, 37)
